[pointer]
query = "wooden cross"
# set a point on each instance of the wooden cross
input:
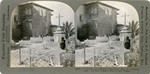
(59, 19)
(125, 18)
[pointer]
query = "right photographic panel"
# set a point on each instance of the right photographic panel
(107, 35)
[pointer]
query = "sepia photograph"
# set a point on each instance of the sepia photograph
(103, 34)
(107, 35)
(74, 37)
(42, 35)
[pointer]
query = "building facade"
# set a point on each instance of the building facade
(33, 20)
(96, 18)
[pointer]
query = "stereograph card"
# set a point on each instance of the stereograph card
(75, 37)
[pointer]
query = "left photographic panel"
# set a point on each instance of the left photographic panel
(42, 35)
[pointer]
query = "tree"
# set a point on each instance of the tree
(83, 32)
(116, 31)
(69, 57)
(134, 27)
(69, 29)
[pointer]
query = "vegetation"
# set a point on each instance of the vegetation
(134, 28)
(116, 31)
(87, 31)
(69, 29)
(83, 32)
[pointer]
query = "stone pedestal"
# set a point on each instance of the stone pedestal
(58, 34)
(124, 33)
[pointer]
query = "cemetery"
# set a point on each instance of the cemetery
(106, 52)
(40, 52)
(36, 52)
(36, 42)
(95, 40)
(102, 41)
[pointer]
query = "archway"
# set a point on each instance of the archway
(37, 29)
(55, 8)
(105, 19)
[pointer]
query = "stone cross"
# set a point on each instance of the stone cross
(59, 19)
(125, 18)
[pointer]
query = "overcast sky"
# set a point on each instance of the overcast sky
(68, 14)
(59, 8)
(124, 8)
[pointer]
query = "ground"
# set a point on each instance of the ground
(104, 51)
(101, 52)
(44, 54)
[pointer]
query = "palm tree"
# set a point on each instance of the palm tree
(134, 27)
(69, 31)
(68, 28)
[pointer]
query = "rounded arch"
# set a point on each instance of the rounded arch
(56, 8)
(112, 12)
(122, 6)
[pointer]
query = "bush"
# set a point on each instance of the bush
(90, 42)
(102, 39)
(48, 38)
(114, 38)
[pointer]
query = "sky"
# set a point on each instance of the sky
(68, 14)
(124, 8)
(58, 8)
